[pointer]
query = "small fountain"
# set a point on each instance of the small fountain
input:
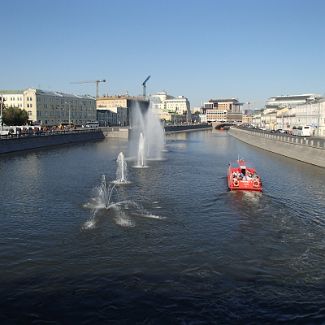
(105, 206)
(121, 170)
(105, 192)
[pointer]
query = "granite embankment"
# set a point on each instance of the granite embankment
(308, 150)
(186, 128)
(30, 142)
(124, 132)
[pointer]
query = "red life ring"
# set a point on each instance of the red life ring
(236, 183)
(256, 183)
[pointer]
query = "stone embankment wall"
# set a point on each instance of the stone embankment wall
(116, 132)
(123, 132)
(186, 128)
(40, 141)
(308, 150)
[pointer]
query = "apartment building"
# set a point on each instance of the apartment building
(290, 100)
(51, 107)
(170, 108)
(223, 110)
(121, 106)
(288, 112)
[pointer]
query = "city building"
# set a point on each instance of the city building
(50, 107)
(290, 100)
(289, 112)
(170, 108)
(247, 119)
(121, 106)
(310, 114)
(269, 118)
(107, 117)
(223, 110)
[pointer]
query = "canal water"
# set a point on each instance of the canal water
(171, 247)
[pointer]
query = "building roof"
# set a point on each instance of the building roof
(223, 100)
(45, 92)
(8, 92)
(294, 97)
(138, 98)
(60, 94)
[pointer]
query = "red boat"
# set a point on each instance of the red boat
(241, 177)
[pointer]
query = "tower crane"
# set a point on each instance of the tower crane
(144, 86)
(91, 81)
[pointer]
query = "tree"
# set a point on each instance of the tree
(14, 116)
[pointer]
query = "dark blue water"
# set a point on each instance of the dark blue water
(175, 247)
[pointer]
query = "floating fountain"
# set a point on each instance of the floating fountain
(141, 147)
(149, 145)
(104, 193)
(121, 170)
(106, 206)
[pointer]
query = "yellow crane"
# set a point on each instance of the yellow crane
(90, 81)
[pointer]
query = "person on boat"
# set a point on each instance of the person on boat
(242, 173)
(249, 175)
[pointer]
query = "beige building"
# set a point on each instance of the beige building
(216, 115)
(247, 119)
(268, 119)
(13, 98)
(52, 108)
(122, 106)
(223, 110)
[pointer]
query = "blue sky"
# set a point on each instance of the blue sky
(201, 49)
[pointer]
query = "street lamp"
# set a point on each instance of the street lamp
(69, 112)
(319, 120)
(1, 104)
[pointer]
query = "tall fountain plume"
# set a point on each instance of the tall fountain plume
(147, 123)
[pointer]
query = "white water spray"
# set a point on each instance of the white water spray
(141, 151)
(105, 192)
(121, 170)
(151, 144)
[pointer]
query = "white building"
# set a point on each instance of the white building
(52, 108)
(169, 106)
(309, 114)
(293, 112)
(13, 98)
(290, 100)
(180, 105)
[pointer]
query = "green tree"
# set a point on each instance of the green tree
(14, 116)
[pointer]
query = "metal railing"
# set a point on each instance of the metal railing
(42, 133)
(313, 142)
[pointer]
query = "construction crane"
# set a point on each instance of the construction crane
(90, 81)
(144, 86)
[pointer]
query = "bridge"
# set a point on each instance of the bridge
(222, 125)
